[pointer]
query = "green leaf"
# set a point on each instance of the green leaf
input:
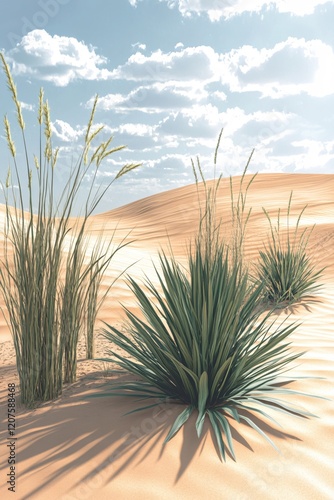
(203, 392)
(252, 424)
(179, 422)
(227, 431)
(217, 432)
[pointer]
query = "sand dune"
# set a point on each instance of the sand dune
(77, 448)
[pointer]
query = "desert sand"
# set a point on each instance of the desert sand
(76, 448)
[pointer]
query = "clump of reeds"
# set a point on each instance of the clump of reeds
(285, 269)
(100, 258)
(44, 308)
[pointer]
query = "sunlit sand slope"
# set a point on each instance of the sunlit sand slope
(77, 448)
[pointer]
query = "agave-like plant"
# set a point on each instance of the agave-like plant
(203, 342)
(284, 268)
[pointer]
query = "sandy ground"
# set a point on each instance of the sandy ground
(79, 448)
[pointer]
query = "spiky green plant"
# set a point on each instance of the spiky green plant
(203, 342)
(284, 268)
(42, 323)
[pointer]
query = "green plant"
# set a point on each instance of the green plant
(284, 268)
(210, 225)
(203, 342)
(42, 305)
(100, 258)
(240, 217)
(94, 301)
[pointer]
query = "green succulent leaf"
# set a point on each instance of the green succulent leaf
(179, 422)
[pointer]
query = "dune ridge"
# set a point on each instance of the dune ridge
(77, 448)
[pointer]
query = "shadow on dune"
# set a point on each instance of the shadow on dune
(305, 304)
(65, 435)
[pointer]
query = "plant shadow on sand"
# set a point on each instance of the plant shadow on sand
(304, 304)
(76, 432)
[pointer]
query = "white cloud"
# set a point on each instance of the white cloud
(246, 129)
(28, 107)
(65, 132)
(173, 163)
(289, 68)
(136, 129)
(221, 96)
(299, 8)
(58, 59)
(200, 122)
(141, 46)
(154, 98)
(137, 136)
(192, 63)
(263, 128)
(316, 153)
(217, 9)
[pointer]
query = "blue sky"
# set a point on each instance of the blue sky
(170, 74)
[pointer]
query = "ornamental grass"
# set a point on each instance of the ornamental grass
(285, 270)
(44, 303)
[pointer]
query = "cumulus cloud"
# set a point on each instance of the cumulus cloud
(244, 128)
(192, 63)
(262, 129)
(65, 132)
(154, 98)
(200, 122)
(28, 107)
(314, 152)
(217, 9)
(220, 96)
(141, 46)
(57, 59)
(138, 136)
(289, 68)
(170, 166)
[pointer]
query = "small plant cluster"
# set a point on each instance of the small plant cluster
(51, 294)
(205, 342)
(284, 268)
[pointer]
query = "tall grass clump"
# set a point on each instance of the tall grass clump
(284, 269)
(94, 298)
(100, 257)
(43, 301)
(203, 343)
(210, 223)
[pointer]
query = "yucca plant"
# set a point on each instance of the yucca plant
(285, 268)
(42, 307)
(203, 342)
